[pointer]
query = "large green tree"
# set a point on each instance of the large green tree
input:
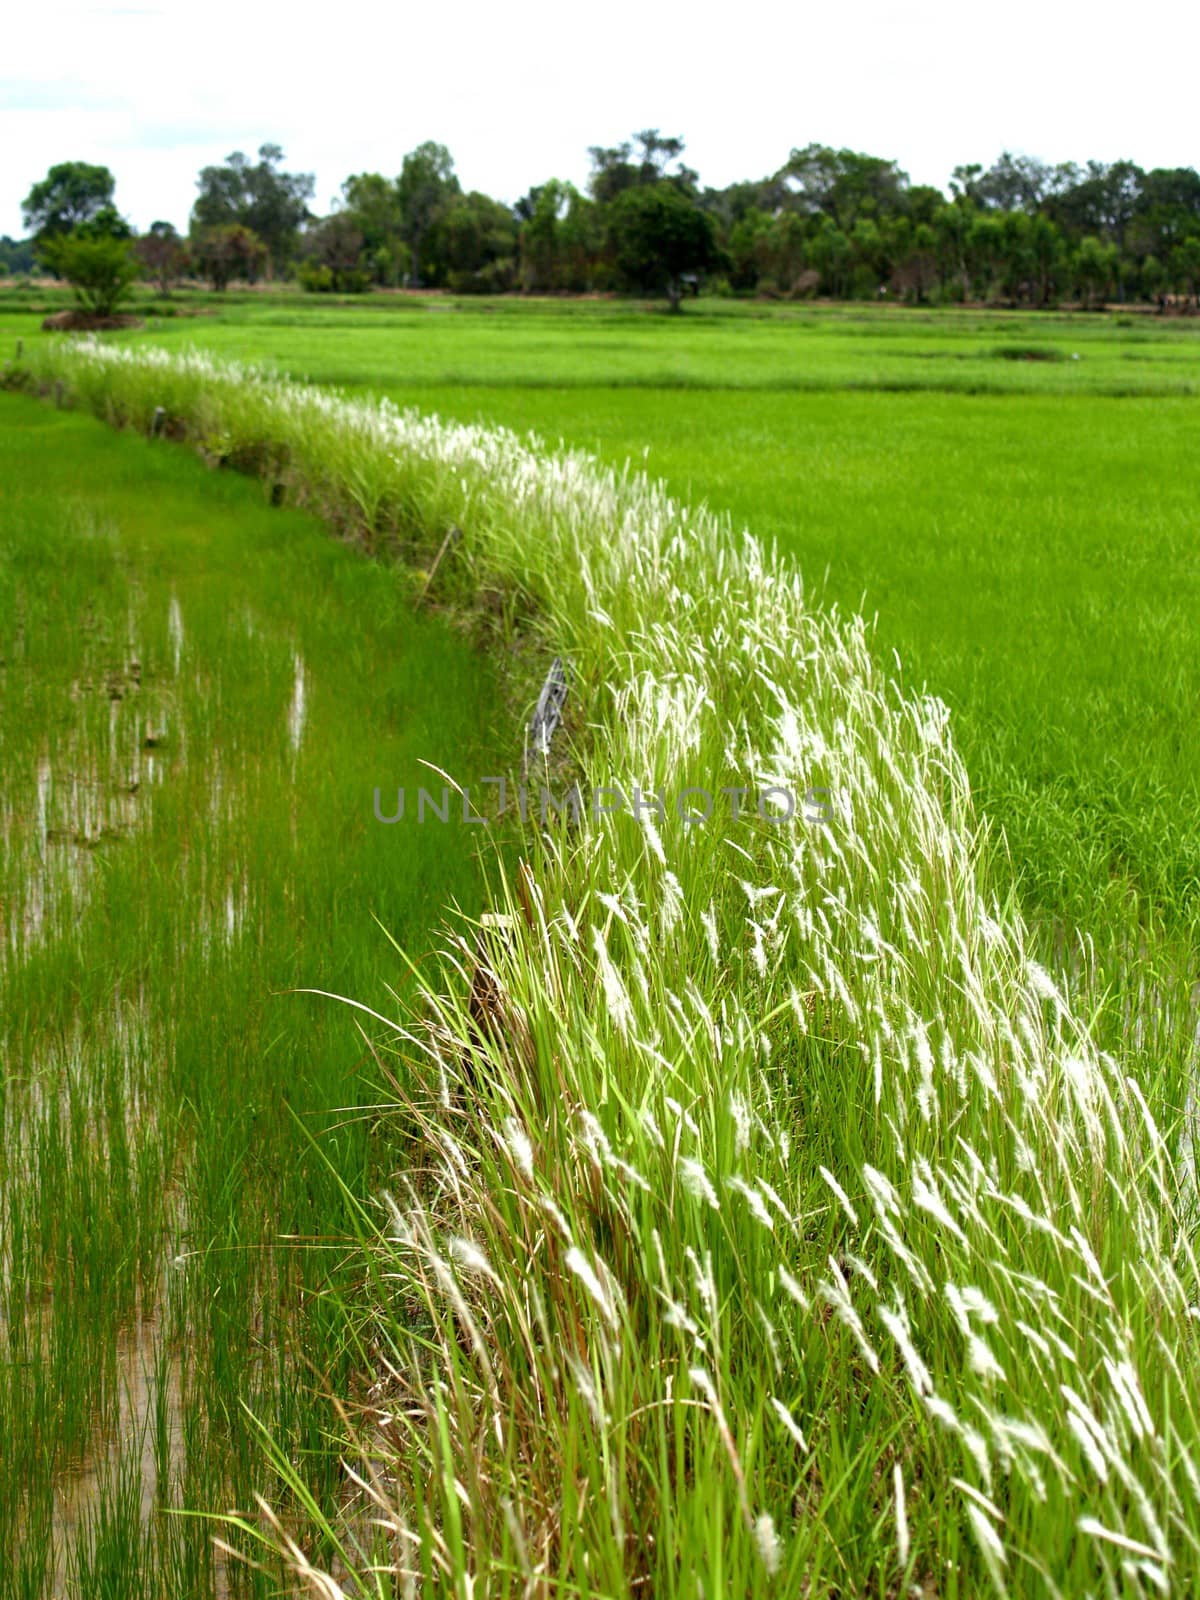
(271, 203)
(423, 190)
(843, 185)
(475, 242)
(71, 192)
(661, 236)
(371, 202)
(560, 237)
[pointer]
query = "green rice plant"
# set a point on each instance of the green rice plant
(185, 803)
(765, 1218)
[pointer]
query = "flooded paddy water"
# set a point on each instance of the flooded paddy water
(198, 696)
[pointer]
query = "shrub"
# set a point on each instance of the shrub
(227, 252)
(497, 277)
(315, 277)
(99, 269)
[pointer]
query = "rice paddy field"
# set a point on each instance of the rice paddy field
(189, 756)
(754, 1209)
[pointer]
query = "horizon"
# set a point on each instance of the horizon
(109, 101)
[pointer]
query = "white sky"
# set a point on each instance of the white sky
(518, 92)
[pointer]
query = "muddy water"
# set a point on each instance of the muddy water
(147, 1442)
(117, 739)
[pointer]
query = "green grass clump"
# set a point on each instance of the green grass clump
(765, 1216)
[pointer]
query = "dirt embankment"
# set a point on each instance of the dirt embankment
(75, 321)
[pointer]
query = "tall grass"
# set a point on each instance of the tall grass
(774, 1224)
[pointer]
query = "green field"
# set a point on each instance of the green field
(1024, 530)
(1014, 498)
(199, 695)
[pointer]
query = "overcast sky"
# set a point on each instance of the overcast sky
(518, 92)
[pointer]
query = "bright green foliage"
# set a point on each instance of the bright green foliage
(99, 268)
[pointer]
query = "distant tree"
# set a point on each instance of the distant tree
(638, 163)
(255, 195)
(1013, 183)
(985, 253)
(162, 255)
(1094, 269)
(1016, 260)
(868, 255)
(228, 251)
(1047, 252)
(1171, 189)
(750, 249)
(830, 254)
(661, 236)
(843, 185)
(581, 239)
(1167, 212)
(1184, 268)
(559, 239)
(71, 192)
(728, 206)
(475, 243)
(335, 256)
(964, 184)
(370, 200)
(913, 252)
(612, 171)
(951, 227)
(922, 203)
(1102, 200)
(107, 223)
(655, 155)
(789, 252)
(1154, 279)
(16, 256)
(423, 190)
(539, 215)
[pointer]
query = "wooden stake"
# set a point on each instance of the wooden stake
(452, 537)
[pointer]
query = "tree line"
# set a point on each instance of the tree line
(835, 223)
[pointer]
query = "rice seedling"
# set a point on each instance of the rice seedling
(778, 1224)
(185, 812)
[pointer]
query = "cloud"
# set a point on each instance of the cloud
(55, 94)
